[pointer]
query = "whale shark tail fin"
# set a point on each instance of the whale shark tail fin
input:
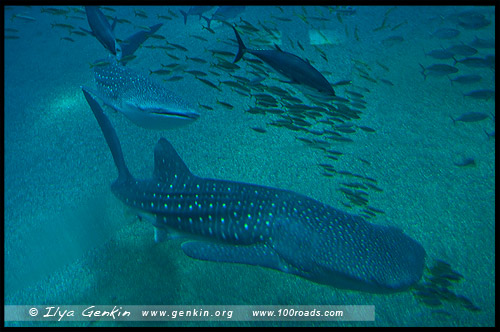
(110, 136)
(133, 42)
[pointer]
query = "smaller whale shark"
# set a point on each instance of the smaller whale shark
(141, 99)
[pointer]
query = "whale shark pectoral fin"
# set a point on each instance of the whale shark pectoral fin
(105, 100)
(256, 254)
(160, 235)
(90, 91)
(163, 233)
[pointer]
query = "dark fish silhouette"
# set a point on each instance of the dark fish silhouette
(462, 49)
(465, 162)
(483, 43)
(473, 21)
(475, 62)
(289, 65)
(471, 117)
(466, 79)
(440, 54)
(438, 69)
(484, 94)
(445, 33)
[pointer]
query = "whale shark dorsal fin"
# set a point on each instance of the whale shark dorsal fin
(169, 167)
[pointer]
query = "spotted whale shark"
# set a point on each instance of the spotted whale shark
(236, 222)
(141, 99)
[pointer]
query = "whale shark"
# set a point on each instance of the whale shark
(141, 99)
(236, 222)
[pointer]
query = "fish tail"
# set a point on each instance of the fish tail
(423, 71)
(241, 47)
(185, 16)
(453, 57)
(113, 25)
(454, 121)
(206, 19)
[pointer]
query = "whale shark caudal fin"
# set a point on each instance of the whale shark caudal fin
(133, 42)
(104, 33)
(110, 136)
(102, 30)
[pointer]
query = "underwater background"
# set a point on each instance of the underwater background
(418, 142)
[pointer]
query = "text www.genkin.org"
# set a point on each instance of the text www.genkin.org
(174, 314)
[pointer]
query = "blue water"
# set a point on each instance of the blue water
(68, 240)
